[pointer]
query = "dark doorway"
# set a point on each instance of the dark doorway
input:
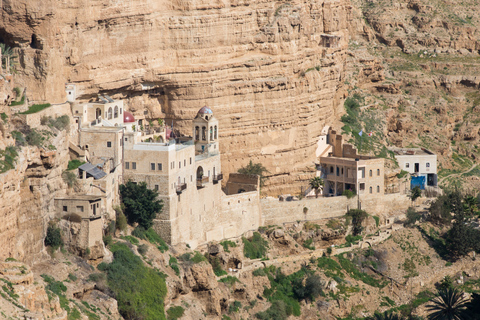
(417, 167)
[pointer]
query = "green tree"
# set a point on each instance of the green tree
(386, 316)
(450, 304)
(470, 204)
(141, 204)
(8, 56)
(316, 183)
(53, 237)
(412, 217)
(254, 169)
(357, 216)
(415, 194)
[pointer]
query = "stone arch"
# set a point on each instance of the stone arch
(234, 263)
(115, 112)
(199, 172)
(211, 133)
(160, 139)
(216, 133)
(197, 133)
(204, 133)
(109, 113)
(365, 245)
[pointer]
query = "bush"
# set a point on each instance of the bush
(174, 313)
(357, 216)
(121, 222)
(198, 257)
(308, 244)
(74, 164)
(151, 236)
(216, 265)
(72, 277)
(352, 239)
(349, 193)
(229, 280)
(140, 291)
(107, 240)
(33, 138)
(60, 123)
(173, 263)
(54, 237)
(235, 306)
(4, 117)
(259, 272)
(142, 249)
(276, 311)
(256, 247)
(225, 244)
(255, 169)
(141, 204)
(412, 217)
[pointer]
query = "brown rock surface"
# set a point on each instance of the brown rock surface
(263, 67)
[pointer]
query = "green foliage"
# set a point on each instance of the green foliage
(235, 306)
(377, 220)
(70, 179)
(131, 239)
(8, 52)
(308, 244)
(139, 291)
(450, 304)
(121, 222)
(357, 216)
(142, 249)
(72, 277)
(54, 237)
(4, 117)
(58, 288)
(334, 224)
(216, 265)
(151, 236)
(256, 247)
(96, 277)
(229, 280)
(330, 267)
(226, 244)
(259, 272)
(140, 203)
(446, 283)
(34, 138)
(60, 123)
(174, 313)
(74, 164)
(36, 108)
(349, 193)
(412, 216)
(415, 193)
(402, 174)
(255, 169)
(316, 183)
(8, 158)
(173, 263)
(277, 311)
(198, 257)
(355, 273)
(352, 239)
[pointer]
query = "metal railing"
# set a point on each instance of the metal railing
(181, 187)
(202, 181)
(217, 177)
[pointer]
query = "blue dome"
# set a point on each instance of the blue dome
(205, 110)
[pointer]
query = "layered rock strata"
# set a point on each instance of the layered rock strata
(271, 71)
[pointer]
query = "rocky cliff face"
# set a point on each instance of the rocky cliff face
(26, 199)
(264, 67)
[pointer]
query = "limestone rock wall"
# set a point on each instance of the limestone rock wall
(262, 66)
(26, 199)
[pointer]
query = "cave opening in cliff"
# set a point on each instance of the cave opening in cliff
(35, 43)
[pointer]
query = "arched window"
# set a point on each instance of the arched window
(216, 135)
(370, 173)
(371, 190)
(115, 112)
(211, 133)
(98, 113)
(204, 133)
(109, 114)
(199, 173)
(120, 110)
(378, 172)
(378, 189)
(197, 133)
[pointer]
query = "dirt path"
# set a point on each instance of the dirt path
(457, 174)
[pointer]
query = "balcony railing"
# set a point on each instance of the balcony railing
(217, 178)
(181, 187)
(202, 181)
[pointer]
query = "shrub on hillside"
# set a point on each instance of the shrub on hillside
(255, 247)
(54, 237)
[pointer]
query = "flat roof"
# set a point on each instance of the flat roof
(84, 197)
(103, 128)
(411, 151)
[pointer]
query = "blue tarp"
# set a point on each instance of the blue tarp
(418, 182)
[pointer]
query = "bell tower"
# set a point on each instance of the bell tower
(205, 131)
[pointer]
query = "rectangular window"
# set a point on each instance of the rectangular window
(127, 165)
(362, 186)
(65, 208)
(79, 208)
(159, 166)
(134, 166)
(152, 166)
(156, 187)
(428, 164)
(179, 164)
(378, 172)
(98, 205)
(185, 162)
(109, 144)
(126, 139)
(407, 165)
(190, 160)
